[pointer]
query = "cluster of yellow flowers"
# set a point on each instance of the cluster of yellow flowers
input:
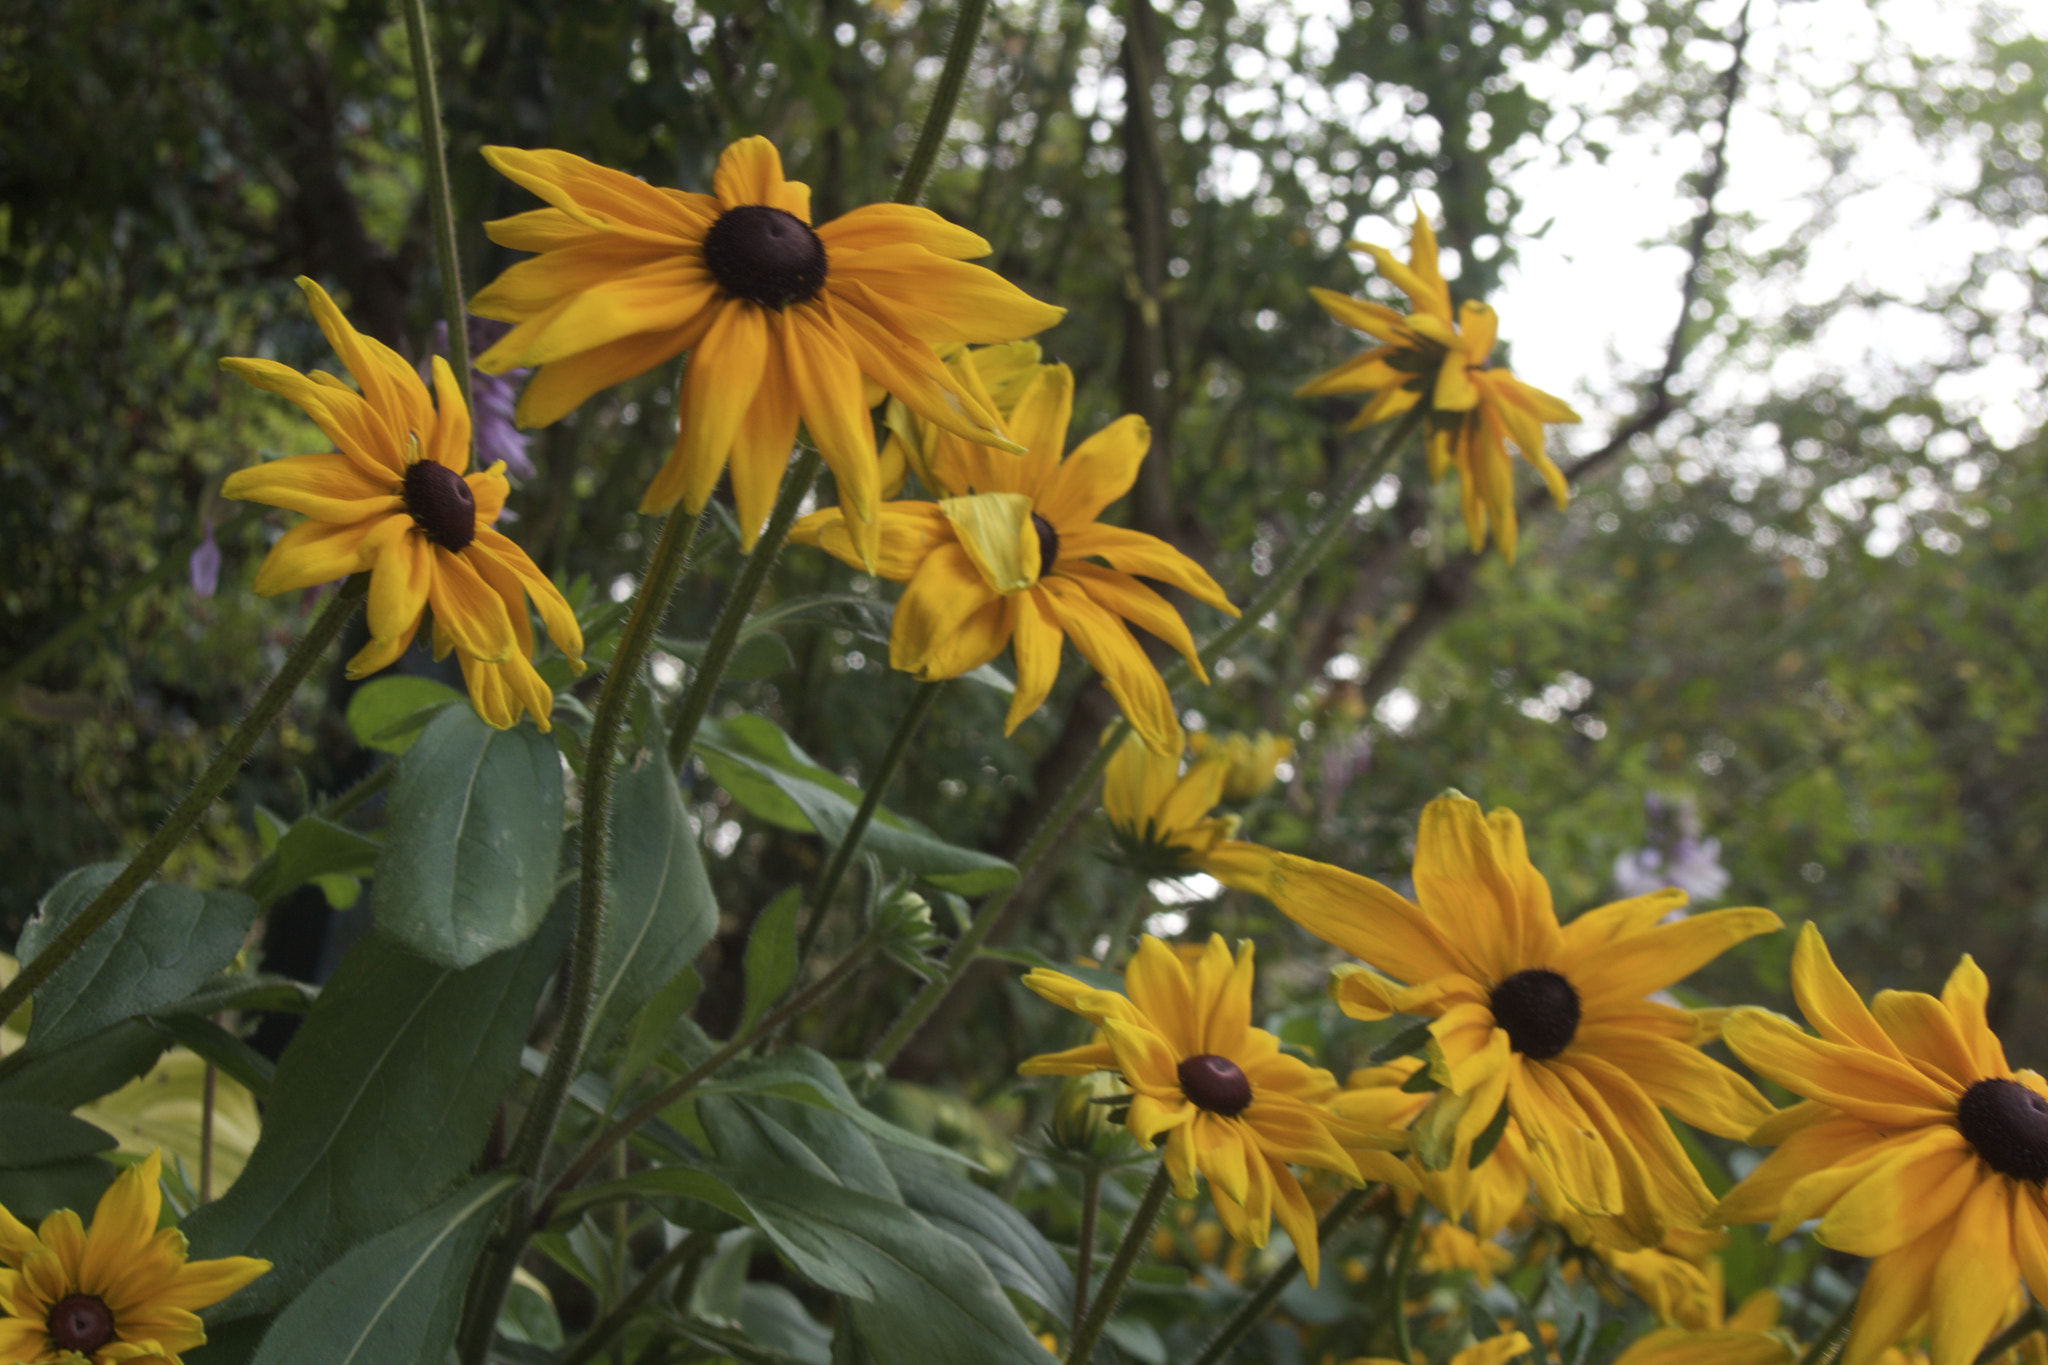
(788, 325)
(1552, 1055)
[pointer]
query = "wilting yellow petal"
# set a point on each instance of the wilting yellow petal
(996, 532)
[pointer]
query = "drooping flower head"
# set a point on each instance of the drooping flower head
(1159, 814)
(1229, 1103)
(396, 498)
(1916, 1145)
(1435, 356)
(1251, 761)
(118, 1291)
(1004, 558)
(1554, 1021)
(781, 319)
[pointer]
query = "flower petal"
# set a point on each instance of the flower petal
(315, 552)
(1144, 556)
(1101, 470)
(873, 226)
(941, 300)
(1876, 1089)
(1126, 672)
(599, 196)
(827, 384)
(331, 488)
(1974, 1280)
(560, 386)
(1679, 1078)
(720, 381)
(949, 620)
(1035, 644)
(1357, 914)
(466, 612)
(1650, 961)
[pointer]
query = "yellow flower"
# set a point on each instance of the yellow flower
(1474, 410)
(1251, 760)
(118, 1291)
(1554, 1022)
(1004, 558)
(994, 376)
(1447, 1247)
(1493, 1351)
(394, 498)
(1724, 1346)
(781, 320)
(1158, 813)
(1230, 1104)
(1916, 1145)
(1494, 1192)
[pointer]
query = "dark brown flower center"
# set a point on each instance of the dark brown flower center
(1215, 1084)
(1540, 1011)
(441, 504)
(1048, 544)
(765, 255)
(80, 1323)
(2008, 1125)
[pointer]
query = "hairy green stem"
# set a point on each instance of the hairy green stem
(1135, 1236)
(1828, 1344)
(1397, 1287)
(188, 812)
(529, 1147)
(621, 1129)
(937, 119)
(870, 801)
(695, 1246)
(725, 632)
(1084, 1246)
(1252, 1309)
(434, 155)
(1336, 520)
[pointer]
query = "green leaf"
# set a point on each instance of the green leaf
(915, 1292)
(1489, 1137)
(1014, 1251)
(662, 908)
(398, 1296)
(768, 774)
(381, 1102)
(66, 1077)
(1408, 1042)
(310, 850)
(156, 950)
(765, 1130)
(35, 1192)
(235, 1058)
(389, 713)
(798, 1073)
(31, 1135)
(475, 820)
(770, 963)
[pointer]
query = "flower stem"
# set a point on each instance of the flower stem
(623, 1128)
(945, 95)
(529, 1147)
(695, 1246)
(435, 157)
(1084, 1248)
(1397, 1286)
(188, 812)
(1252, 1309)
(725, 633)
(2024, 1326)
(870, 801)
(1828, 1344)
(1135, 1237)
(1320, 542)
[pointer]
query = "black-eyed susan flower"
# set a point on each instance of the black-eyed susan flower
(120, 1290)
(1436, 357)
(1916, 1145)
(1229, 1103)
(1555, 1022)
(1004, 557)
(1250, 761)
(395, 497)
(781, 319)
(1158, 813)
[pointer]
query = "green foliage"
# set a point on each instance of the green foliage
(468, 866)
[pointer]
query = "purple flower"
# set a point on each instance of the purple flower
(492, 398)
(1674, 854)
(204, 566)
